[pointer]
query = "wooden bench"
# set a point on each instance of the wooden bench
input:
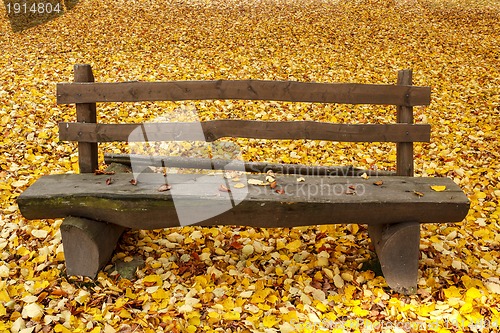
(97, 210)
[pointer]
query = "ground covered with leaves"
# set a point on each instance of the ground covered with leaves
(243, 279)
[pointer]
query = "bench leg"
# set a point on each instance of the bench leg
(88, 245)
(398, 248)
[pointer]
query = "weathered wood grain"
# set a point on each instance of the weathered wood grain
(319, 200)
(86, 113)
(404, 150)
(215, 129)
(398, 248)
(88, 245)
(346, 93)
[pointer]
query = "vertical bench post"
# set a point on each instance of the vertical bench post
(404, 150)
(86, 113)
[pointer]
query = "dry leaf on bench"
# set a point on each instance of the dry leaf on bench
(438, 188)
(164, 187)
(223, 188)
(255, 182)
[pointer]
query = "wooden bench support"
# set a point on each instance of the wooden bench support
(88, 244)
(397, 247)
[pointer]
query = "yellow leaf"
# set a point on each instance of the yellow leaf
(61, 329)
(213, 314)
(472, 294)
(321, 307)
(239, 185)
(452, 292)
(160, 294)
(124, 314)
(294, 246)
(360, 312)
(438, 188)
(466, 308)
(191, 329)
(269, 321)
(231, 315)
(481, 195)
(152, 280)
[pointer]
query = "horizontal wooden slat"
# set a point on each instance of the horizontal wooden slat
(347, 93)
(215, 129)
(317, 200)
(222, 164)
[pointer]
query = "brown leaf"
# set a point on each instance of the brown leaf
(133, 182)
(164, 187)
(378, 182)
(273, 184)
(419, 194)
(280, 191)
(223, 188)
(236, 245)
(109, 181)
(42, 296)
(59, 292)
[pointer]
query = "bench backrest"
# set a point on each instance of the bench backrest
(85, 93)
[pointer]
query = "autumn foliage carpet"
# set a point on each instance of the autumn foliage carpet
(303, 279)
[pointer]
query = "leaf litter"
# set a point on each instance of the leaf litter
(300, 279)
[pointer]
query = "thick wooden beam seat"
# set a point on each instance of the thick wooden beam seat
(317, 200)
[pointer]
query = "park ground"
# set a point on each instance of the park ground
(198, 279)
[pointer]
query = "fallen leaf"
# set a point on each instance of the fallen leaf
(301, 179)
(164, 187)
(378, 183)
(273, 184)
(239, 185)
(223, 188)
(438, 188)
(280, 191)
(109, 181)
(252, 181)
(365, 176)
(19, 183)
(133, 182)
(419, 194)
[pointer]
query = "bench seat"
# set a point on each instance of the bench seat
(317, 200)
